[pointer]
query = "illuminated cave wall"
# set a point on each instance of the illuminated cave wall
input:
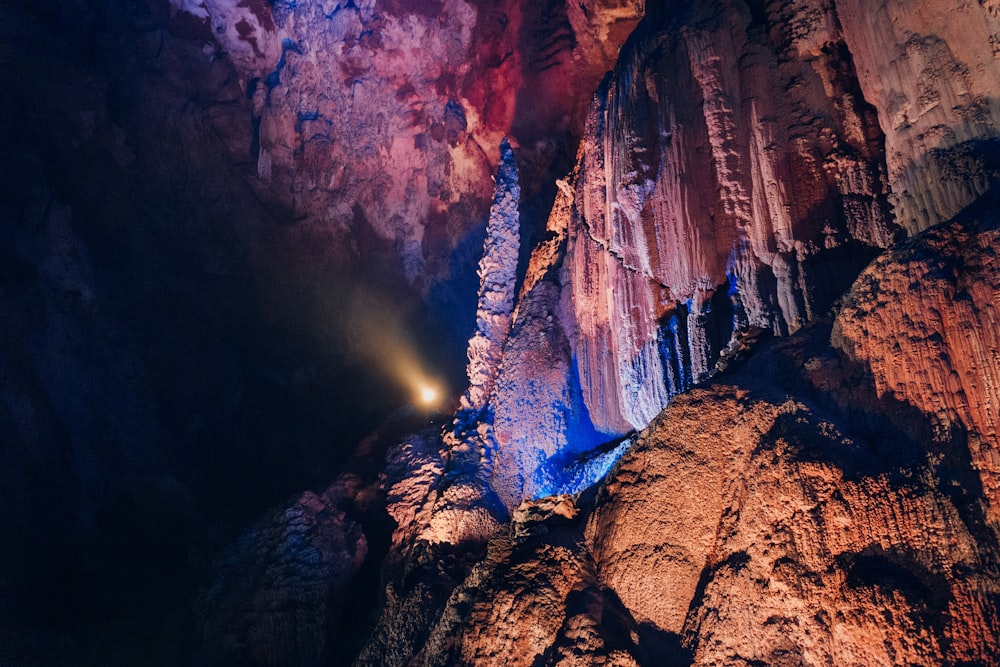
(737, 172)
(218, 215)
(230, 235)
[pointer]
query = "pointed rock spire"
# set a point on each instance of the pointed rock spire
(497, 280)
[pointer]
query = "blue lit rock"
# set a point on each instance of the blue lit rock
(497, 279)
(539, 417)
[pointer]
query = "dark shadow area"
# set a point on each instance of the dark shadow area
(176, 355)
(895, 570)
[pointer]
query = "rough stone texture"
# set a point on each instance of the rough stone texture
(201, 224)
(725, 174)
(838, 523)
(540, 574)
(497, 279)
(732, 176)
(924, 320)
(443, 520)
(777, 538)
(281, 588)
(930, 68)
(384, 118)
(539, 417)
(796, 510)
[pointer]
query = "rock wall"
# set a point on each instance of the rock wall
(765, 534)
(930, 69)
(726, 169)
(923, 320)
(384, 118)
(793, 511)
(820, 502)
(279, 591)
(734, 174)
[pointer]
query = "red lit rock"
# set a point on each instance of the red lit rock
(924, 321)
(389, 115)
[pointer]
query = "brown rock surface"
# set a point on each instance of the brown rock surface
(744, 525)
(540, 574)
(795, 511)
(923, 319)
(770, 519)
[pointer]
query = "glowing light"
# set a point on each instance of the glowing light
(428, 395)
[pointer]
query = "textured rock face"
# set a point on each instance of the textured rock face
(733, 175)
(793, 512)
(540, 421)
(497, 278)
(775, 538)
(723, 168)
(859, 532)
(563, 616)
(930, 68)
(924, 320)
(808, 507)
(384, 118)
(280, 589)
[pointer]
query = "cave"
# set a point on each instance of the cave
(499, 332)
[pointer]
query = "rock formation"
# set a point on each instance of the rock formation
(281, 588)
(697, 429)
(497, 278)
(922, 320)
(930, 69)
(791, 511)
(722, 164)
(384, 118)
(817, 503)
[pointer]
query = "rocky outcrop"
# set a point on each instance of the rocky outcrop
(563, 616)
(923, 320)
(811, 508)
(777, 538)
(793, 511)
(280, 590)
(725, 174)
(497, 279)
(732, 177)
(379, 122)
(540, 422)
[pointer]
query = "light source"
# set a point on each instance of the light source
(428, 395)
